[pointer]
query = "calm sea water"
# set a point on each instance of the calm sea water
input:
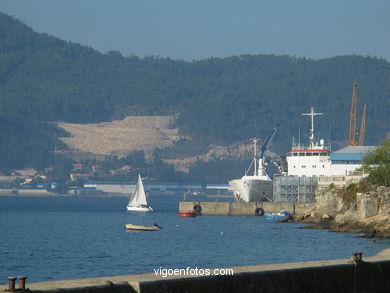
(65, 238)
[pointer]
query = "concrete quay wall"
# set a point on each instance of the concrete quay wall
(27, 192)
(243, 208)
(343, 275)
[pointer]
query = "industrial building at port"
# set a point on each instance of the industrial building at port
(165, 188)
(315, 166)
(340, 168)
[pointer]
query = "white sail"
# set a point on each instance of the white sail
(138, 198)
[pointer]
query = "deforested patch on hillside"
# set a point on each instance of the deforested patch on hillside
(121, 137)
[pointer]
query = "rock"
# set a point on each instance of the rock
(286, 219)
(316, 215)
(307, 213)
(381, 190)
(367, 214)
(349, 216)
(368, 207)
(327, 202)
(341, 206)
(326, 217)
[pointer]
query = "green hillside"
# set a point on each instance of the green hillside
(44, 79)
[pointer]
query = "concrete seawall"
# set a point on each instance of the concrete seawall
(371, 275)
(243, 208)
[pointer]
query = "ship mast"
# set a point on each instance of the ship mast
(312, 114)
(255, 140)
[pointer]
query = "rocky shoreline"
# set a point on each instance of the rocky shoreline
(365, 213)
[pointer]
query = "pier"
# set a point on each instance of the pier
(217, 208)
(353, 274)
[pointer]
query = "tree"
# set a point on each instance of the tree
(377, 163)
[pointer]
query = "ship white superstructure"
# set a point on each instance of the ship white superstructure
(317, 160)
(311, 160)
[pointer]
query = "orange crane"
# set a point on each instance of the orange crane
(352, 118)
(363, 126)
(352, 135)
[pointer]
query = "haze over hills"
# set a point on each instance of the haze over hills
(216, 101)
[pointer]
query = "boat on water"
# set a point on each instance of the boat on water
(137, 200)
(258, 186)
(277, 216)
(189, 214)
(132, 227)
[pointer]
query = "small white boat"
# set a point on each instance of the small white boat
(137, 200)
(131, 227)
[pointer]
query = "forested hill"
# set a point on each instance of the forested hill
(44, 79)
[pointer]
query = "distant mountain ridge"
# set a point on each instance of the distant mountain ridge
(219, 100)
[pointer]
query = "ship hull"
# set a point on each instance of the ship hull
(252, 189)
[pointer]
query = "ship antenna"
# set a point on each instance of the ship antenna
(255, 140)
(255, 127)
(312, 114)
(55, 150)
(299, 132)
(330, 136)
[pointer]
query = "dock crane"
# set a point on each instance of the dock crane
(363, 126)
(352, 135)
(352, 117)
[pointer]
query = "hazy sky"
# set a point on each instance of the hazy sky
(183, 29)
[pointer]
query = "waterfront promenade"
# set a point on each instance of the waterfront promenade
(343, 275)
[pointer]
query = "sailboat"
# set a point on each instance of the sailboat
(137, 200)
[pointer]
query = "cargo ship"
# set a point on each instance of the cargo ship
(257, 186)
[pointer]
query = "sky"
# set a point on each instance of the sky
(193, 30)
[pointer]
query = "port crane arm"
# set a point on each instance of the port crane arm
(352, 117)
(264, 147)
(363, 126)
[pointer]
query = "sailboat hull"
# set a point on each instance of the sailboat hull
(139, 209)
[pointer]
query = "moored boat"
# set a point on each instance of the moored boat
(131, 227)
(256, 187)
(277, 216)
(188, 214)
